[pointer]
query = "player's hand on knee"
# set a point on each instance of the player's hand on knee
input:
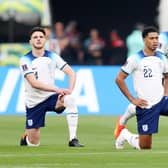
(63, 92)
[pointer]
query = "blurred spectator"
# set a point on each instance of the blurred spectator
(68, 52)
(60, 36)
(73, 33)
(117, 53)
(51, 43)
(163, 42)
(59, 30)
(134, 41)
(75, 40)
(94, 46)
(115, 39)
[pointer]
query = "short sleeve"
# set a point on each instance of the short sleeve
(130, 65)
(25, 66)
(60, 62)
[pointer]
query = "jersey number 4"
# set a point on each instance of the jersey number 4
(36, 74)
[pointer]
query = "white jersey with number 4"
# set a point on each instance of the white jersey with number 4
(147, 73)
(44, 71)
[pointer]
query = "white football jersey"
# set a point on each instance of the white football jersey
(44, 70)
(147, 73)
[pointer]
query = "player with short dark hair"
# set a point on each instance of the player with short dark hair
(131, 109)
(41, 95)
(147, 67)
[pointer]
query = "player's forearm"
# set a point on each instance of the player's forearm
(45, 87)
(72, 76)
(72, 81)
(40, 85)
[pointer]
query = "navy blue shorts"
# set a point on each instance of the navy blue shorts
(35, 117)
(148, 119)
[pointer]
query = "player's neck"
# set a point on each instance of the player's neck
(149, 52)
(38, 52)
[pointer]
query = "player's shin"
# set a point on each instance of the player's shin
(72, 115)
(129, 113)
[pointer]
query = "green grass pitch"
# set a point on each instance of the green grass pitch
(96, 132)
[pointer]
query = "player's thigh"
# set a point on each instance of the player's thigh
(145, 141)
(35, 117)
(55, 103)
(147, 120)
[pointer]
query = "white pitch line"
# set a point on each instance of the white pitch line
(3, 155)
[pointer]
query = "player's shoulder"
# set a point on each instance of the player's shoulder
(160, 55)
(136, 56)
(51, 54)
(27, 57)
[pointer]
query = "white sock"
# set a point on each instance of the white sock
(72, 115)
(129, 113)
(72, 120)
(29, 143)
(132, 139)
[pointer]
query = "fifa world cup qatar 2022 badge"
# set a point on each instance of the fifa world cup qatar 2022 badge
(24, 67)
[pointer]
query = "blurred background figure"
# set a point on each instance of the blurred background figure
(162, 15)
(73, 33)
(68, 31)
(134, 41)
(115, 39)
(117, 49)
(60, 36)
(66, 51)
(75, 41)
(51, 43)
(163, 42)
(94, 47)
(59, 30)
(63, 41)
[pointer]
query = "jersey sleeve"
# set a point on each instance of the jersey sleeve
(25, 66)
(130, 65)
(60, 62)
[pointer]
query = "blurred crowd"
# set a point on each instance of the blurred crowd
(80, 48)
(91, 49)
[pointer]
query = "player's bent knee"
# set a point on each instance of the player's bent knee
(69, 101)
(145, 141)
(70, 104)
(60, 110)
(145, 147)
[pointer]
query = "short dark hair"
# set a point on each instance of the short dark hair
(34, 29)
(149, 29)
